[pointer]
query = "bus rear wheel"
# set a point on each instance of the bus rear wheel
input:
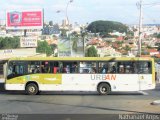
(32, 89)
(104, 89)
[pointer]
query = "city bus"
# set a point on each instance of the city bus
(100, 74)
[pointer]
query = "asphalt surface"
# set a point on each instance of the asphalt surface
(78, 105)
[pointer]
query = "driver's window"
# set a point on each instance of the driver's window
(16, 69)
(11, 68)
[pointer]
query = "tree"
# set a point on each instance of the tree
(91, 52)
(74, 45)
(105, 27)
(120, 43)
(9, 43)
(127, 48)
(53, 48)
(74, 34)
(148, 47)
(83, 35)
(130, 35)
(158, 36)
(43, 47)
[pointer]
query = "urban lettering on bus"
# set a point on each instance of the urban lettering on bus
(103, 77)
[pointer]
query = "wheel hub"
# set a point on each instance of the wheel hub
(31, 89)
(103, 89)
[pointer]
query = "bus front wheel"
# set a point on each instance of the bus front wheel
(104, 89)
(32, 89)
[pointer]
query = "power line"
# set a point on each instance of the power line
(149, 5)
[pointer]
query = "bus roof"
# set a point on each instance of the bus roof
(78, 58)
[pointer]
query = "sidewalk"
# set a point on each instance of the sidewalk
(156, 102)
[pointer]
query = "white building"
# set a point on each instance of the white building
(108, 51)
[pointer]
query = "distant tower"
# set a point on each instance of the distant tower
(64, 22)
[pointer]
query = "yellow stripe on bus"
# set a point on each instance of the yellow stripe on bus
(39, 78)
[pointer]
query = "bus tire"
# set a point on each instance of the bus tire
(32, 89)
(103, 89)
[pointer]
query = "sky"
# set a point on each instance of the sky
(87, 11)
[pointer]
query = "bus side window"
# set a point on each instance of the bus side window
(74, 68)
(55, 66)
(87, 67)
(34, 67)
(113, 69)
(21, 69)
(37, 69)
(93, 70)
(144, 67)
(67, 69)
(55, 70)
(127, 67)
(45, 67)
(134, 67)
(103, 67)
(121, 68)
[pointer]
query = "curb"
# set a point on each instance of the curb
(158, 86)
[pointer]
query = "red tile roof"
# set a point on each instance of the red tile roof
(152, 50)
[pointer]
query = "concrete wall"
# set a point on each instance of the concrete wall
(22, 52)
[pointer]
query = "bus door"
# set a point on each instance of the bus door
(51, 73)
(127, 78)
(145, 74)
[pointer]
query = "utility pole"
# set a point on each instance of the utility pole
(70, 1)
(140, 35)
(140, 30)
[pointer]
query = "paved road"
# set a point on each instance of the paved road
(79, 103)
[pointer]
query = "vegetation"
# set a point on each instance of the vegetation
(54, 47)
(127, 48)
(158, 36)
(43, 47)
(91, 52)
(158, 44)
(13, 43)
(105, 27)
(74, 45)
(9, 42)
(119, 42)
(145, 53)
